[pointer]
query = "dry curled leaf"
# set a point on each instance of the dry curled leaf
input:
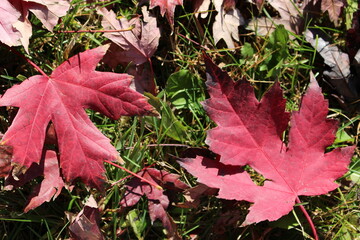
(16, 28)
(135, 45)
(290, 17)
(226, 24)
(339, 74)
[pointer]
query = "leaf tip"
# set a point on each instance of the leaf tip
(207, 59)
(155, 113)
(105, 47)
(120, 160)
(313, 83)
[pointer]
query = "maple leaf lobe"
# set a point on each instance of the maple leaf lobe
(237, 101)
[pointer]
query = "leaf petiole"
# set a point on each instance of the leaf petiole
(96, 31)
(26, 59)
(134, 174)
(308, 218)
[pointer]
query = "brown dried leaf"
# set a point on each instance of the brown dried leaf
(226, 24)
(337, 61)
(334, 8)
(290, 17)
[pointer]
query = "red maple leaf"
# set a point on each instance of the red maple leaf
(249, 132)
(61, 99)
(166, 6)
(157, 200)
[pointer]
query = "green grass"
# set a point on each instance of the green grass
(143, 141)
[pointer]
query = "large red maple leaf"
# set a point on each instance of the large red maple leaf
(61, 99)
(249, 132)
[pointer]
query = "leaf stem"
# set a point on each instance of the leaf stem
(134, 174)
(204, 47)
(308, 218)
(122, 179)
(163, 145)
(95, 31)
(26, 59)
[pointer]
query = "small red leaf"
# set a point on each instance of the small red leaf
(48, 189)
(157, 201)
